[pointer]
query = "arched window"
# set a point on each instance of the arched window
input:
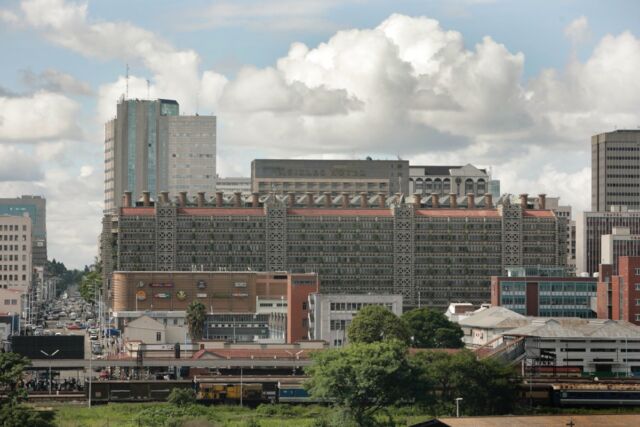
(419, 187)
(468, 186)
(482, 187)
(428, 186)
(437, 186)
(446, 186)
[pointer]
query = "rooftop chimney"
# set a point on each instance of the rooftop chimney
(524, 200)
(364, 200)
(219, 199)
(382, 200)
(471, 201)
(291, 199)
(453, 200)
(237, 200)
(417, 200)
(435, 200)
(146, 199)
(345, 200)
(164, 195)
(201, 199)
(488, 201)
(327, 200)
(542, 201)
(255, 200)
(183, 199)
(310, 201)
(127, 199)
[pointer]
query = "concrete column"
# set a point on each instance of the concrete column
(471, 201)
(201, 199)
(417, 201)
(435, 200)
(291, 199)
(488, 201)
(310, 202)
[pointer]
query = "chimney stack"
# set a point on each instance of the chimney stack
(164, 195)
(417, 200)
(524, 200)
(127, 199)
(291, 199)
(471, 201)
(255, 200)
(345, 200)
(219, 199)
(201, 199)
(488, 201)
(364, 200)
(453, 200)
(146, 199)
(310, 200)
(435, 200)
(382, 200)
(542, 201)
(237, 200)
(327, 200)
(183, 199)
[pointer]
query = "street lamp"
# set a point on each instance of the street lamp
(50, 356)
(458, 399)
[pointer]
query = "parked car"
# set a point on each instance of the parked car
(73, 326)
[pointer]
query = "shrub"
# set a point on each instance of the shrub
(182, 397)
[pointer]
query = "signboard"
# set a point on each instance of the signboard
(201, 295)
(181, 295)
(240, 284)
(141, 295)
(240, 295)
(162, 295)
(161, 285)
(201, 284)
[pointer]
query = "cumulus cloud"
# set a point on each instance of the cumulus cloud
(578, 30)
(40, 116)
(17, 165)
(55, 81)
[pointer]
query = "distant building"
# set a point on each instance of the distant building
(545, 292)
(487, 325)
(16, 267)
(331, 315)
(619, 294)
(615, 170)
(36, 208)
(330, 176)
(446, 180)
(617, 244)
(233, 185)
(562, 211)
(150, 147)
(11, 301)
(591, 226)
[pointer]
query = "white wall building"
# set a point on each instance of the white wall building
(232, 185)
(331, 314)
(488, 325)
(15, 252)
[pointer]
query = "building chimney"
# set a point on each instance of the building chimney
(417, 200)
(524, 200)
(345, 200)
(164, 195)
(146, 199)
(435, 200)
(201, 199)
(255, 200)
(237, 200)
(488, 201)
(327, 200)
(183, 199)
(542, 201)
(471, 201)
(382, 200)
(127, 199)
(219, 199)
(291, 199)
(364, 200)
(310, 201)
(453, 200)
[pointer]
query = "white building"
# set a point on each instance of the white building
(488, 325)
(445, 180)
(331, 314)
(15, 252)
(234, 185)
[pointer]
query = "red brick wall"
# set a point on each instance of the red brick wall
(627, 267)
(495, 291)
(298, 292)
(603, 300)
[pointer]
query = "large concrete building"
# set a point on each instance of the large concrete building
(619, 292)
(334, 176)
(618, 244)
(446, 180)
(150, 147)
(615, 170)
(16, 267)
(36, 208)
(414, 247)
(591, 226)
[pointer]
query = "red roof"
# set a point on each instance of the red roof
(461, 213)
(139, 211)
(539, 213)
(339, 212)
(221, 211)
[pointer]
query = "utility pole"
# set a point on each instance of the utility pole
(50, 356)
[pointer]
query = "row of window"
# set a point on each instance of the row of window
(12, 237)
(13, 267)
(11, 302)
(12, 247)
(12, 277)
(356, 306)
(12, 227)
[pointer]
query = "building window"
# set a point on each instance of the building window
(158, 336)
(304, 305)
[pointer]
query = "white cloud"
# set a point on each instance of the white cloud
(40, 116)
(578, 30)
(55, 81)
(9, 17)
(17, 165)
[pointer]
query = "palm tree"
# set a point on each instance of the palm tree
(196, 313)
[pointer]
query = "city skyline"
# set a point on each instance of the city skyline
(428, 83)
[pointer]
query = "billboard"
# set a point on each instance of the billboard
(68, 346)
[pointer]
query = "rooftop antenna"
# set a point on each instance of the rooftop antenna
(127, 80)
(148, 89)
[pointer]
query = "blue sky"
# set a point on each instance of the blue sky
(518, 86)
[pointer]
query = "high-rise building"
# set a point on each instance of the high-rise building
(617, 244)
(36, 208)
(430, 253)
(615, 170)
(619, 293)
(334, 176)
(15, 252)
(150, 147)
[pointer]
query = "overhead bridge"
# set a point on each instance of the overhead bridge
(150, 363)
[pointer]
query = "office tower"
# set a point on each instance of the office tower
(334, 176)
(618, 244)
(36, 208)
(150, 147)
(615, 170)
(445, 180)
(430, 251)
(15, 252)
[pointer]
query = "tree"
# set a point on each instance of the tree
(90, 283)
(361, 378)
(196, 314)
(431, 329)
(182, 397)
(11, 368)
(375, 323)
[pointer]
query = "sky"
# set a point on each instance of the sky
(517, 86)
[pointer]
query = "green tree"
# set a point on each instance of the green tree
(431, 329)
(182, 397)
(90, 284)
(362, 378)
(196, 314)
(11, 368)
(375, 323)
(23, 416)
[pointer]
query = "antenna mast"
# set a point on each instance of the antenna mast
(127, 80)
(148, 90)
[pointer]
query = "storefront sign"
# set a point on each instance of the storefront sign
(181, 295)
(141, 295)
(162, 295)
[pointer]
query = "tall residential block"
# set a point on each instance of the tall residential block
(15, 252)
(150, 147)
(429, 252)
(36, 208)
(615, 170)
